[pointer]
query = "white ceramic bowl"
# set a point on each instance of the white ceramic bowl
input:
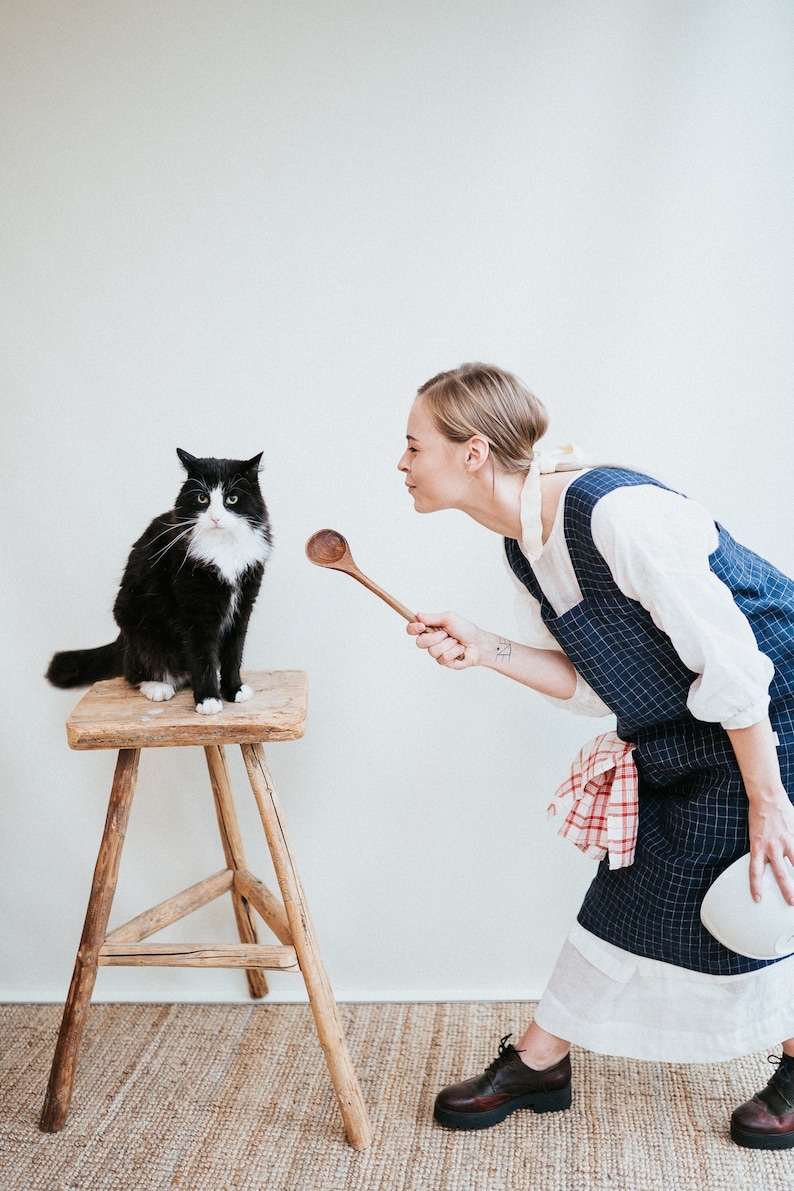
(759, 930)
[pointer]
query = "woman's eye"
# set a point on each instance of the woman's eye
(202, 499)
(232, 500)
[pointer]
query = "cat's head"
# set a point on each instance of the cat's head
(219, 492)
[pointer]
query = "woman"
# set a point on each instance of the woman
(639, 605)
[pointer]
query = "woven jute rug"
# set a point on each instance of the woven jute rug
(238, 1098)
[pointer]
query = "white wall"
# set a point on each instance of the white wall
(234, 226)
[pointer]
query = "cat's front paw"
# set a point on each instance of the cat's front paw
(244, 694)
(158, 692)
(209, 706)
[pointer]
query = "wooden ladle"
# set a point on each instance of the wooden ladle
(327, 548)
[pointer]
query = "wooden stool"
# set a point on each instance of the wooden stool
(114, 715)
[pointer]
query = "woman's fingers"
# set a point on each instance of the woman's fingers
(757, 866)
(771, 822)
(429, 630)
(431, 638)
(441, 646)
(784, 875)
(445, 636)
(781, 868)
(448, 651)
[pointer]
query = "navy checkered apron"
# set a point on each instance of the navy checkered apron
(693, 808)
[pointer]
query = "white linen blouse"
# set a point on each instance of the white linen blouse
(667, 573)
(599, 996)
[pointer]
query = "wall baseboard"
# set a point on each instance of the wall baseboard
(374, 996)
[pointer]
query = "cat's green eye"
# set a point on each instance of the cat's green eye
(202, 499)
(232, 500)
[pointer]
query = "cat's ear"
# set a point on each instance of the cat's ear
(188, 460)
(253, 464)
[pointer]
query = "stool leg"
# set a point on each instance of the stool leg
(232, 842)
(321, 998)
(64, 1064)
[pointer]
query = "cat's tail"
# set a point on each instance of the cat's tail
(81, 667)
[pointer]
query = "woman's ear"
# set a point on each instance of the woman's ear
(478, 450)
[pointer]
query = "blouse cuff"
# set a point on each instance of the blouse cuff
(748, 717)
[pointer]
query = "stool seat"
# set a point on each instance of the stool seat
(115, 715)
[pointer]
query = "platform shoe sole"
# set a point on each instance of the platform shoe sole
(538, 1101)
(762, 1141)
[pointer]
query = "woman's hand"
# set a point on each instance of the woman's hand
(453, 642)
(771, 819)
(771, 815)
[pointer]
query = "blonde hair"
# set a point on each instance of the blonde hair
(483, 399)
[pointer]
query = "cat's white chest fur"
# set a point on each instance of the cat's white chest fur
(230, 543)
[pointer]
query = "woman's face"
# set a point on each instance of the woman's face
(434, 467)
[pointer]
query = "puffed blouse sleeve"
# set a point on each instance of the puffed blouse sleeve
(532, 631)
(657, 545)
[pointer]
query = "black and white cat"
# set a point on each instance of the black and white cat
(187, 592)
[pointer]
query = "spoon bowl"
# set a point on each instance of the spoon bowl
(328, 548)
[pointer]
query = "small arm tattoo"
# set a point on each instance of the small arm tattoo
(504, 648)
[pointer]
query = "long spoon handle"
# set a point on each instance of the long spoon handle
(410, 616)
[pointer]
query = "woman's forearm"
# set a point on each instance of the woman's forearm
(544, 670)
(756, 754)
(458, 644)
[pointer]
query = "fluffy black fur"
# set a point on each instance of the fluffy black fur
(188, 590)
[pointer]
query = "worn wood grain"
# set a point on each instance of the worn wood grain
(232, 842)
(176, 907)
(64, 1064)
(115, 715)
(265, 903)
(312, 967)
(199, 955)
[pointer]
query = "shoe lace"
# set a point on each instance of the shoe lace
(505, 1050)
(783, 1077)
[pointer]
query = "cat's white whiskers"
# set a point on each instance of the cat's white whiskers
(172, 525)
(160, 554)
(187, 523)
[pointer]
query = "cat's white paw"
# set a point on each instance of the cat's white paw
(244, 694)
(158, 692)
(209, 707)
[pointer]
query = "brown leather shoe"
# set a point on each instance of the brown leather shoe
(506, 1085)
(767, 1121)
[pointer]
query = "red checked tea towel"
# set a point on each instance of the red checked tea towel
(599, 801)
